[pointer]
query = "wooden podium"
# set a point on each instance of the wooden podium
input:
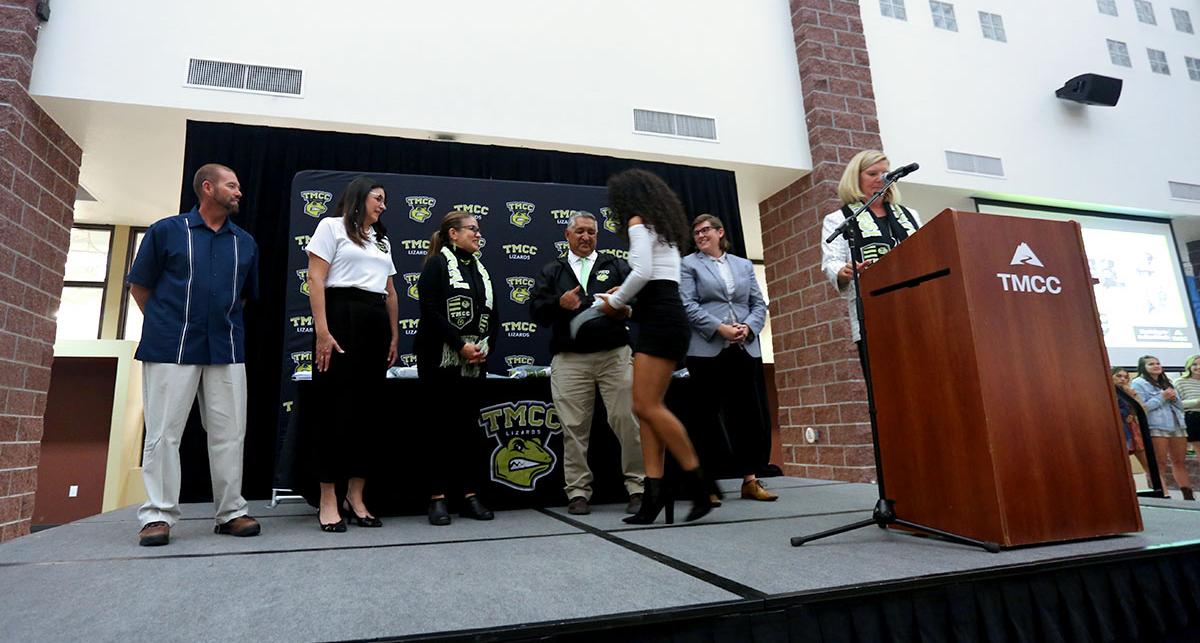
(996, 414)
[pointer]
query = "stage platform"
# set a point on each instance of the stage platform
(546, 575)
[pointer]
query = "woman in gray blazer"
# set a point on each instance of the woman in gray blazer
(727, 312)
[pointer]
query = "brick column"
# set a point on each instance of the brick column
(39, 173)
(817, 374)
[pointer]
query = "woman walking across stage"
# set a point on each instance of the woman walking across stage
(652, 218)
(354, 310)
(454, 335)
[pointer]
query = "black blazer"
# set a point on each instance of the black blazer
(557, 278)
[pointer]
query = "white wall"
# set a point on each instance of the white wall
(542, 71)
(938, 90)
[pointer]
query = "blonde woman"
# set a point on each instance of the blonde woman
(876, 231)
(1188, 386)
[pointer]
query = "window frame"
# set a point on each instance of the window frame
(1187, 20)
(1109, 42)
(952, 17)
(1193, 67)
(134, 231)
(995, 22)
(893, 6)
(1166, 64)
(1101, 5)
(1138, 5)
(102, 285)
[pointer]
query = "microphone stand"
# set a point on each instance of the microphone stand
(884, 513)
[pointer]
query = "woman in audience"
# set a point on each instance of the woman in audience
(876, 231)
(1189, 394)
(456, 331)
(1130, 406)
(1164, 413)
(354, 309)
(727, 312)
(652, 218)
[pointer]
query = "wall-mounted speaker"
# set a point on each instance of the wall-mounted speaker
(1092, 89)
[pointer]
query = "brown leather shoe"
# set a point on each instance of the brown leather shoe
(154, 534)
(635, 503)
(754, 490)
(578, 506)
(241, 526)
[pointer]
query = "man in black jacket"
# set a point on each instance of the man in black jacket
(599, 355)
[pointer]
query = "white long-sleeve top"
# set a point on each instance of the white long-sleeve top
(837, 254)
(649, 258)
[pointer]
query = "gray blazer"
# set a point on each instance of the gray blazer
(707, 306)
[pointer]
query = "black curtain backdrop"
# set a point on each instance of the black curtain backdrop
(267, 158)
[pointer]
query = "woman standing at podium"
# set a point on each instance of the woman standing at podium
(1164, 414)
(876, 231)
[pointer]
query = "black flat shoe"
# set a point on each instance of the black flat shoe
(438, 513)
(473, 508)
(362, 521)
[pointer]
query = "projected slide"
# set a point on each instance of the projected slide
(1140, 295)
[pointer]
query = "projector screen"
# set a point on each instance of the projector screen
(1143, 303)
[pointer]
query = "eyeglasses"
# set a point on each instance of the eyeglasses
(702, 231)
(472, 228)
(378, 196)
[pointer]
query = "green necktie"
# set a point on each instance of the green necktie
(583, 273)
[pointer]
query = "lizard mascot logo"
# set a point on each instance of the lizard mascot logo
(316, 202)
(420, 208)
(610, 219)
(303, 362)
(411, 279)
(408, 359)
(303, 275)
(520, 213)
(561, 247)
(519, 289)
(522, 431)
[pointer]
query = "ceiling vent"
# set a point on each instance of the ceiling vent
(238, 76)
(974, 164)
(666, 123)
(1186, 191)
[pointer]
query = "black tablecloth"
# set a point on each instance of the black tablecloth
(398, 484)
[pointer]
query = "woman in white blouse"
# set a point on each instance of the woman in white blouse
(652, 218)
(355, 320)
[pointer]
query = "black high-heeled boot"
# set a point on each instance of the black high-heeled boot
(701, 490)
(655, 498)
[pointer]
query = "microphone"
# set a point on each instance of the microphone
(901, 172)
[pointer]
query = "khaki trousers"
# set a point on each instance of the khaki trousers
(573, 381)
(167, 394)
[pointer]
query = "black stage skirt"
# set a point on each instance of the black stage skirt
(663, 329)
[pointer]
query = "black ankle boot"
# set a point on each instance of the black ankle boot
(701, 491)
(654, 499)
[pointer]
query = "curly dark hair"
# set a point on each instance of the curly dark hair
(638, 193)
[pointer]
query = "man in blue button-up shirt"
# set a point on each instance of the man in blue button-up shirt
(190, 277)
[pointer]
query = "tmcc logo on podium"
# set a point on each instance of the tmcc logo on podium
(1024, 256)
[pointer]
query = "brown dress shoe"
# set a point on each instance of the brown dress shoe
(241, 526)
(635, 503)
(154, 534)
(578, 506)
(754, 490)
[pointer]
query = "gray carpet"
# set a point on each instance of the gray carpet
(90, 581)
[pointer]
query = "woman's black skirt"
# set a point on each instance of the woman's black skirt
(663, 329)
(1192, 419)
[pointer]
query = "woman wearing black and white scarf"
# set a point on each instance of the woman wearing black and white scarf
(454, 336)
